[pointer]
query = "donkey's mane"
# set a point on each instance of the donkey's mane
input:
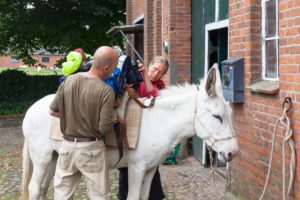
(176, 90)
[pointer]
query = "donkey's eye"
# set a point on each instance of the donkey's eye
(219, 118)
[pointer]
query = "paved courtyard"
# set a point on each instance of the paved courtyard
(188, 180)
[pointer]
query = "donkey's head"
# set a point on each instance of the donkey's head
(213, 121)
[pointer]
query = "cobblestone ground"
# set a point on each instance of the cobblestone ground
(186, 181)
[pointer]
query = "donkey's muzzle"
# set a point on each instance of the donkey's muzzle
(227, 157)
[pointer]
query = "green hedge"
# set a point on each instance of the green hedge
(20, 90)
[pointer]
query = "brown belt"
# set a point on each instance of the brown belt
(81, 139)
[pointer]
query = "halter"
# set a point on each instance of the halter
(213, 140)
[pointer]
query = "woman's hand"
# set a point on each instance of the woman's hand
(144, 71)
(142, 68)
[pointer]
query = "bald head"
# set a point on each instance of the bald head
(104, 56)
(105, 60)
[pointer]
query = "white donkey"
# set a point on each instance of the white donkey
(179, 112)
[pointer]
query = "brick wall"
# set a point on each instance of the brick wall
(5, 61)
(138, 8)
(129, 20)
(169, 21)
(157, 31)
(149, 31)
(255, 119)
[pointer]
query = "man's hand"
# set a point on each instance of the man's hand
(54, 114)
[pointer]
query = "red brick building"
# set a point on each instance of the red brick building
(266, 33)
(43, 58)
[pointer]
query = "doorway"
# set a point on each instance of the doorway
(217, 47)
(216, 51)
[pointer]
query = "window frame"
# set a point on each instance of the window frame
(47, 58)
(14, 59)
(265, 39)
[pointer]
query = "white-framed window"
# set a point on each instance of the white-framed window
(14, 59)
(45, 59)
(270, 39)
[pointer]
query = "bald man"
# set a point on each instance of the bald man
(84, 104)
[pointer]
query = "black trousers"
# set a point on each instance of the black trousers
(156, 191)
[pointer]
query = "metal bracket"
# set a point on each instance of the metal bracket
(130, 44)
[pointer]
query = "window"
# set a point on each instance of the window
(45, 59)
(270, 39)
(14, 59)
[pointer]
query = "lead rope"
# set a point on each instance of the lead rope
(228, 178)
(213, 171)
(285, 121)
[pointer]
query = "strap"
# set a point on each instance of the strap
(143, 105)
(81, 139)
(122, 129)
(124, 134)
(131, 93)
(119, 141)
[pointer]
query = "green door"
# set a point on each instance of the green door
(200, 17)
(203, 12)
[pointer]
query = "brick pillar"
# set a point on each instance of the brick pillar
(157, 19)
(148, 31)
(178, 32)
(129, 21)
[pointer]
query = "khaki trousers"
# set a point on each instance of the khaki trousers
(77, 159)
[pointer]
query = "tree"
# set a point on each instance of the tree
(56, 25)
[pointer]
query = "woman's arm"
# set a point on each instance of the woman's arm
(143, 70)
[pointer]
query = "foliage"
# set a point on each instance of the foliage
(55, 25)
(20, 90)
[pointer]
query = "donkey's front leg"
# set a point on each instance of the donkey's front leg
(135, 179)
(145, 190)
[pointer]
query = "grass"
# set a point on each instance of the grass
(10, 197)
(33, 71)
(3, 69)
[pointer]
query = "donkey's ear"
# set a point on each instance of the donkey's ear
(213, 85)
(210, 85)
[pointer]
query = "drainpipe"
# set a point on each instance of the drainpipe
(173, 65)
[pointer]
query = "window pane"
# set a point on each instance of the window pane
(271, 59)
(270, 18)
(45, 59)
(223, 9)
(14, 59)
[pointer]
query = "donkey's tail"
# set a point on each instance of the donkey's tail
(27, 172)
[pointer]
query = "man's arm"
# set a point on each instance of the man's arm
(106, 109)
(54, 108)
